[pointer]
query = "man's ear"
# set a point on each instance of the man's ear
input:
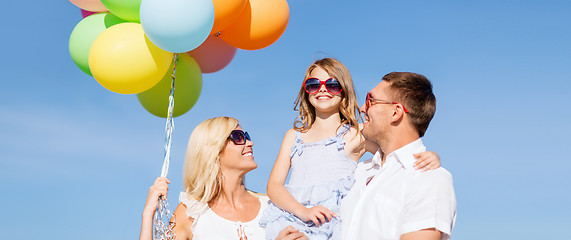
(398, 113)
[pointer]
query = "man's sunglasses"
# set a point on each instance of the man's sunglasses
(239, 137)
(312, 85)
(370, 101)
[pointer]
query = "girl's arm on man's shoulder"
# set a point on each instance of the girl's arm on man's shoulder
(361, 144)
(354, 144)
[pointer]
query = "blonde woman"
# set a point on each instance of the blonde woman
(215, 204)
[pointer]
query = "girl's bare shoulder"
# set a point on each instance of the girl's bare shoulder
(353, 135)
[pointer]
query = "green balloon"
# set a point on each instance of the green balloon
(83, 35)
(188, 85)
(125, 9)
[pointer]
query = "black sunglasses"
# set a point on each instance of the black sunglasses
(239, 137)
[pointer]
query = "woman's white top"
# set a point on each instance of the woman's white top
(208, 225)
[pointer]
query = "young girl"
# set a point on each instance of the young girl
(322, 151)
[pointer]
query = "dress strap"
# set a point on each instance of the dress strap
(342, 130)
(338, 140)
(297, 146)
(298, 136)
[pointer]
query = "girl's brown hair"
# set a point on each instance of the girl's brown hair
(348, 108)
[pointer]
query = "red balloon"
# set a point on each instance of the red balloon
(213, 54)
(85, 13)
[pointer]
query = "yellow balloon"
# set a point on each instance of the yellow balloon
(123, 60)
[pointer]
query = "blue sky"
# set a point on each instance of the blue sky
(76, 160)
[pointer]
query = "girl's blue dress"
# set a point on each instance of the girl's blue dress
(321, 174)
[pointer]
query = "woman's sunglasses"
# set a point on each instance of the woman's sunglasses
(312, 85)
(239, 137)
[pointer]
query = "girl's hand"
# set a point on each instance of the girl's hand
(290, 233)
(317, 215)
(426, 161)
(160, 188)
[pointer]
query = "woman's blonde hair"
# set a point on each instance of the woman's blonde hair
(202, 178)
(348, 108)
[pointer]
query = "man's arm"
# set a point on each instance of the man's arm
(424, 234)
(430, 206)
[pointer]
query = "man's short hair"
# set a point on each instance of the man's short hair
(414, 91)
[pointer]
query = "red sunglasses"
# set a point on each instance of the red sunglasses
(369, 103)
(312, 85)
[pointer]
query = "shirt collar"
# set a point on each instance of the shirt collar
(377, 158)
(402, 155)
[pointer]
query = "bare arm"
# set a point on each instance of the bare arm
(424, 234)
(182, 223)
(276, 190)
(158, 189)
(290, 233)
(425, 160)
(369, 145)
(354, 144)
(182, 226)
(428, 160)
(279, 194)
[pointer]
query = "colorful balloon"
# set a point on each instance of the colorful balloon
(83, 35)
(226, 12)
(188, 85)
(177, 25)
(261, 23)
(123, 60)
(85, 13)
(213, 55)
(89, 5)
(125, 9)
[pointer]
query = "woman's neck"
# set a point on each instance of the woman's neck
(233, 192)
(234, 202)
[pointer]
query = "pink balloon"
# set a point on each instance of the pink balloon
(213, 54)
(90, 5)
(86, 13)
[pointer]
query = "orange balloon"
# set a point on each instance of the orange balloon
(261, 23)
(226, 12)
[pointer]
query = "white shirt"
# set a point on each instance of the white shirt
(208, 225)
(398, 199)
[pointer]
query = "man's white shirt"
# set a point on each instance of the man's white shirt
(398, 199)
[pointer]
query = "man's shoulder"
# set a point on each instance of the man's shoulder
(431, 179)
(436, 173)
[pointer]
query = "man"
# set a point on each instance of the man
(391, 200)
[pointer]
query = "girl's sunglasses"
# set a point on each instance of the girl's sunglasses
(312, 85)
(239, 137)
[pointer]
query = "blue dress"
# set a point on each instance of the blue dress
(321, 174)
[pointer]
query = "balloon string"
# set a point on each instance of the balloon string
(170, 123)
(164, 229)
